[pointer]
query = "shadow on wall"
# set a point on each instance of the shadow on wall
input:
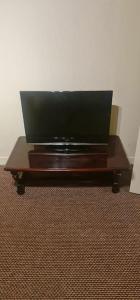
(115, 120)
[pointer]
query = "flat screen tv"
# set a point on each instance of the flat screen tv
(68, 117)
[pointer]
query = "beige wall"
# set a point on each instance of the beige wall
(69, 45)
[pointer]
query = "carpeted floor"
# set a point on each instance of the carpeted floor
(68, 243)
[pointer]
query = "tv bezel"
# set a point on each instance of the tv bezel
(71, 141)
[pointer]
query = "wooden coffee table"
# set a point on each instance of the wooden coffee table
(30, 172)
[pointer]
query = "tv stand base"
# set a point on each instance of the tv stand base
(47, 166)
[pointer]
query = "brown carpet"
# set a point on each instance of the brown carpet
(68, 243)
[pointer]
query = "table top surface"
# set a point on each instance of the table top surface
(116, 159)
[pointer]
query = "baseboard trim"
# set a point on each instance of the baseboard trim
(131, 159)
(3, 160)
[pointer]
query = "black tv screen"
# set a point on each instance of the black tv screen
(66, 117)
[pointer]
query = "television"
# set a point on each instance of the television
(67, 117)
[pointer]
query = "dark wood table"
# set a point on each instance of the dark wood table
(25, 170)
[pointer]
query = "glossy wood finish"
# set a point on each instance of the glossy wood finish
(116, 159)
(25, 160)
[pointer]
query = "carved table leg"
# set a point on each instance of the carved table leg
(116, 181)
(18, 178)
(20, 189)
